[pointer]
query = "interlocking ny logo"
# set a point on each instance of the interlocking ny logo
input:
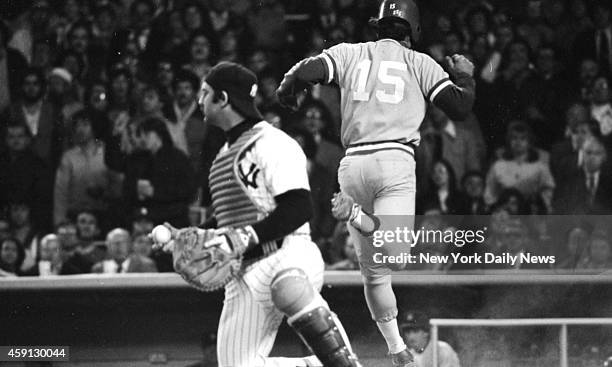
(249, 178)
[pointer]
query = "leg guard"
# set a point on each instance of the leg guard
(319, 330)
(308, 314)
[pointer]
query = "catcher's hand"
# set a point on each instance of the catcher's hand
(204, 259)
(168, 246)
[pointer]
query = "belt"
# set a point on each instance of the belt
(371, 147)
(257, 253)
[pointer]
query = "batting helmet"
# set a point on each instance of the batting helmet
(404, 10)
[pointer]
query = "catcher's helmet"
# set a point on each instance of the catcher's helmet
(404, 10)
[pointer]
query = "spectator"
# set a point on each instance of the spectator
(184, 118)
(200, 55)
(142, 246)
(512, 202)
(457, 145)
(601, 106)
(11, 257)
(577, 243)
(478, 20)
(62, 94)
(453, 43)
(578, 23)
(12, 68)
(516, 71)
(350, 261)
(122, 259)
(125, 155)
(600, 253)
(258, 61)
(520, 168)
(267, 22)
(442, 193)
(195, 18)
(545, 90)
(589, 191)
(533, 29)
(24, 231)
(24, 177)
(472, 198)
(150, 103)
(229, 47)
(166, 188)
(104, 26)
(565, 158)
(82, 180)
(274, 116)
(169, 37)
(43, 54)
(50, 262)
(33, 25)
(268, 83)
(315, 117)
(88, 230)
(416, 332)
(321, 183)
(185, 123)
(5, 229)
(137, 34)
(597, 43)
(120, 94)
(515, 240)
(80, 43)
(164, 77)
(39, 116)
(141, 222)
(73, 258)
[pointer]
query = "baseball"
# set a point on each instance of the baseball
(161, 234)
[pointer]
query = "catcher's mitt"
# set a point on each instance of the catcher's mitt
(204, 262)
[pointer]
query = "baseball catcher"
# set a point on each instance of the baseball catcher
(257, 244)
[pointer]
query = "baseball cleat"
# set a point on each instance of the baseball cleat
(402, 359)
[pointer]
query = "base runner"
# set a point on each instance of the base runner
(385, 87)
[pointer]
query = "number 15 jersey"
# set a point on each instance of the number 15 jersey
(384, 89)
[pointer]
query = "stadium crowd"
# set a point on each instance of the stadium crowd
(101, 136)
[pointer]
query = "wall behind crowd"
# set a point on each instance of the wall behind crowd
(100, 128)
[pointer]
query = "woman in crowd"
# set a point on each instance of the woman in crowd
(520, 168)
(600, 253)
(442, 194)
(11, 257)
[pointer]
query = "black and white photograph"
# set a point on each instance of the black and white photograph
(305, 183)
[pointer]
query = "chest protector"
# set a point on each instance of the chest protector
(237, 196)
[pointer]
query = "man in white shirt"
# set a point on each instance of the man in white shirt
(416, 332)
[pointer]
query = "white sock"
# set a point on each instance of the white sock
(392, 336)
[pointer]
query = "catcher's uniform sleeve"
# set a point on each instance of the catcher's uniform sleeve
(282, 162)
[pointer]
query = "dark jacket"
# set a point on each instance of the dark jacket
(16, 65)
(24, 177)
(172, 178)
(572, 197)
(48, 143)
